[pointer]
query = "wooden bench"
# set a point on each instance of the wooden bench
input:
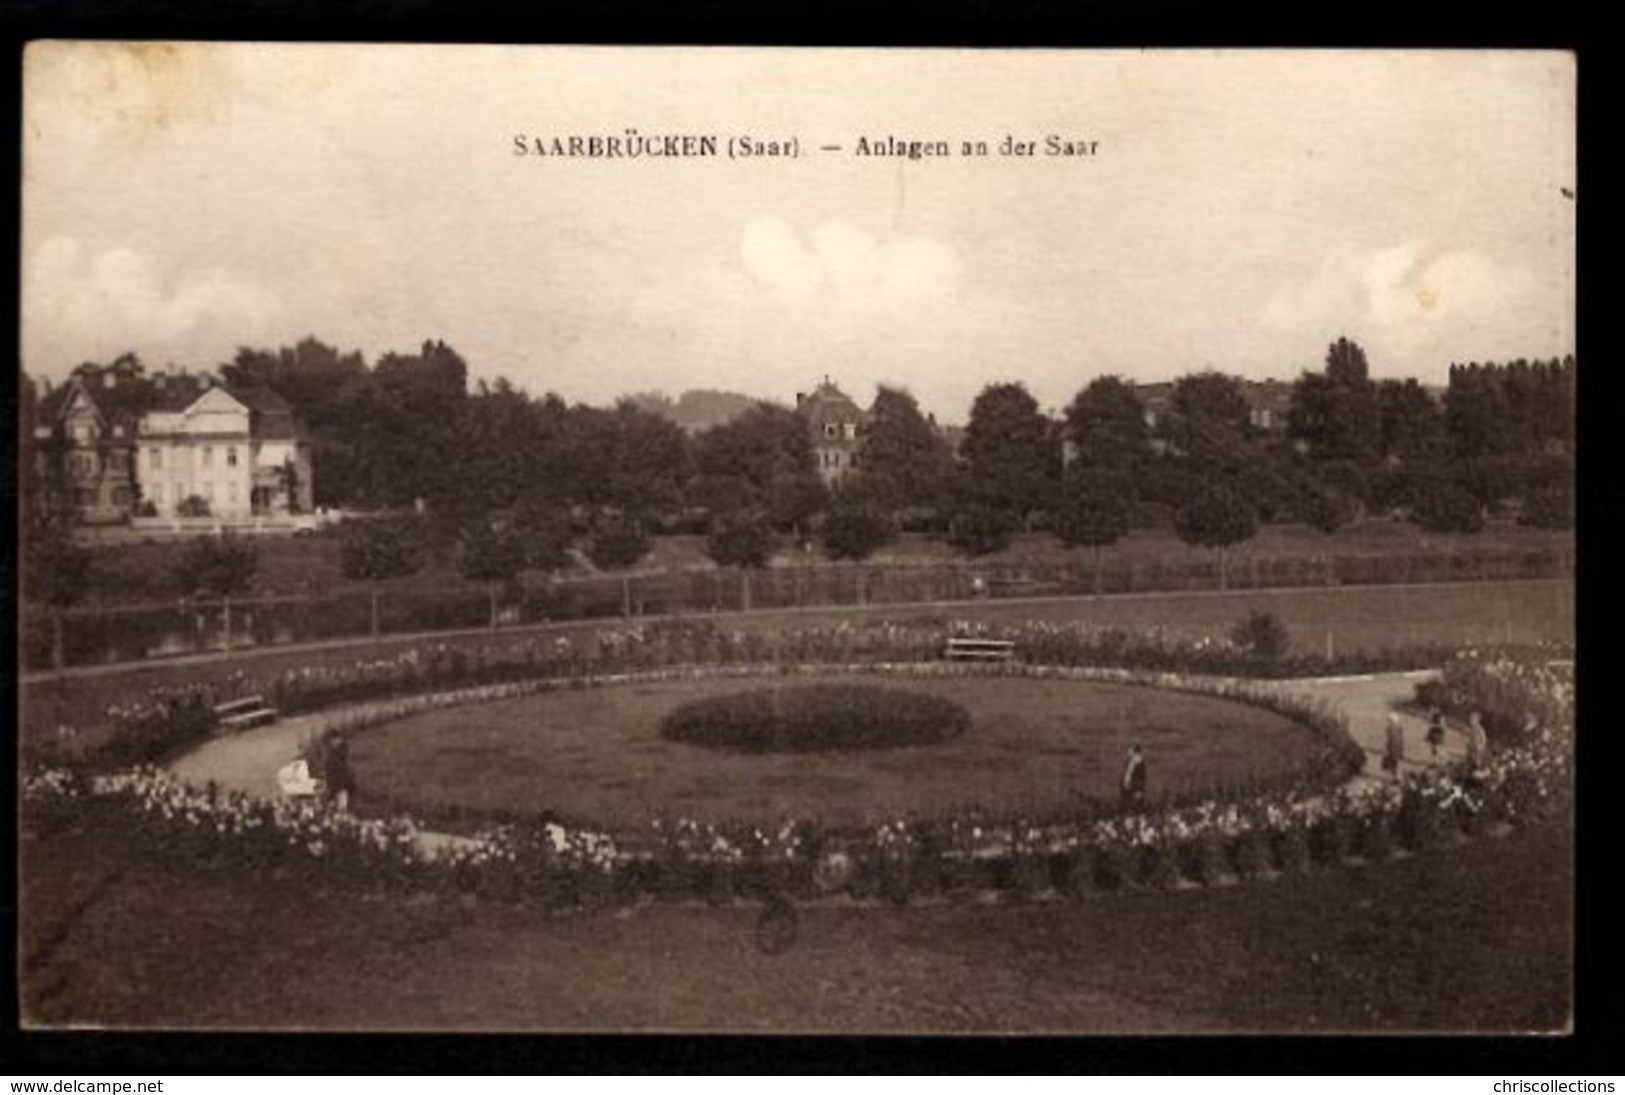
(242, 713)
(1000, 650)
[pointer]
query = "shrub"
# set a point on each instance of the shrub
(739, 540)
(980, 530)
(193, 505)
(1261, 633)
(211, 566)
(618, 543)
(1443, 506)
(855, 533)
(1325, 510)
(815, 718)
(1549, 507)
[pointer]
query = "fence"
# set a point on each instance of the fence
(134, 633)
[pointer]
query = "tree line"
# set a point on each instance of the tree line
(514, 481)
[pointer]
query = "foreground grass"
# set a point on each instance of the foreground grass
(1473, 938)
(600, 755)
(1356, 618)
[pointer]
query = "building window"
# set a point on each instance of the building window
(851, 430)
(155, 457)
(84, 497)
(231, 457)
(829, 429)
(157, 494)
(122, 496)
(852, 460)
(208, 455)
(208, 493)
(231, 494)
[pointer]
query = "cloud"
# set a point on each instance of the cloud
(841, 272)
(1409, 297)
(117, 299)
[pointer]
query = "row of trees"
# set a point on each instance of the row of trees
(513, 481)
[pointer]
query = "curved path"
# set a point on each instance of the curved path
(248, 761)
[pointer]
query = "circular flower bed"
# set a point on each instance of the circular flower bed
(811, 718)
(1247, 832)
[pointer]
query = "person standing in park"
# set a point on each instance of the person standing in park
(1478, 743)
(1435, 733)
(1132, 789)
(338, 774)
(1393, 745)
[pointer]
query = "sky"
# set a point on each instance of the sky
(1242, 210)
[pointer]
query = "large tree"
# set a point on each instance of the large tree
(378, 551)
(1008, 452)
(1208, 425)
(1412, 423)
(1337, 413)
(55, 572)
(1094, 511)
(1105, 423)
(490, 553)
(320, 384)
(627, 459)
(906, 462)
(758, 446)
(1218, 518)
(760, 460)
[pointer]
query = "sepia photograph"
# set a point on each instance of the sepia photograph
(747, 540)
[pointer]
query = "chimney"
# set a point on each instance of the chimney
(801, 397)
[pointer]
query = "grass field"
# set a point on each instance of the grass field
(141, 571)
(600, 756)
(1469, 938)
(1356, 618)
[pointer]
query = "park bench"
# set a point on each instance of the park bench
(242, 713)
(959, 648)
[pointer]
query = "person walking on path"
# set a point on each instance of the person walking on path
(339, 776)
(1132, 790)
(1393, 750)
(1435, 733)
(1478, 744)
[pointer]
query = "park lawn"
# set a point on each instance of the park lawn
(1470, 938)
(140, 571)
(599, 757)
(1368, 618)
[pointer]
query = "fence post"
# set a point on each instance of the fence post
(1331, 648)
(225, 620)
(626, 596)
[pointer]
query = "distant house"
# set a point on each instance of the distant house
(238, 449)
(126, 444)
(836, 426)
(1267, 403)
(85, 432)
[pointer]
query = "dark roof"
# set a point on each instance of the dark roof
(270, 416)
(133, 395)
(827, 403)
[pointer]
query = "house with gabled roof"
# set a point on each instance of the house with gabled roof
(836, 425)
(129, 444)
